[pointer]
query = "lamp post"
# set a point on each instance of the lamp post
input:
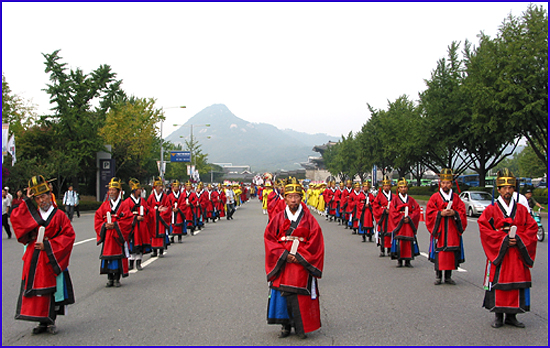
(191, 134)
(161, 169)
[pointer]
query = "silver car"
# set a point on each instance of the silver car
(475, 201)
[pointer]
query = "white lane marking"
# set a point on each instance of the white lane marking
(459, 268)
(148, 262)
(84, 241)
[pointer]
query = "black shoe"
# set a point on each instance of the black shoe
(41, 328)
(437, 281)
(285, 331)
(109, 283)
(161, 253)
(399, 263)
(382, 254)
(498, 321)
(155, 253)
(302, 336)
(52, 329)
(138, 265)
(511, 320)
(171, 239)
(131, 265)
(408, 264)
(116, 283)
(450, 281)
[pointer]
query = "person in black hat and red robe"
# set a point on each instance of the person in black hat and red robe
(509, 238)
(112, 224)
(294, 259)
(48, 236)
(446, 220)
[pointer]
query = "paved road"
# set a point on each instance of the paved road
(211, 290)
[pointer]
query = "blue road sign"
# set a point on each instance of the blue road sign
(180, 156)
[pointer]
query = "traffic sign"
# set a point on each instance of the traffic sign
(180, 156)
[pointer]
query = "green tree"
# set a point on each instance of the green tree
(131, 129)
(18, 112)
(528, 164)
(521, 81)
(445, 115)
(75, 121)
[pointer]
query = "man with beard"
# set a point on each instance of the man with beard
(381, 210)
(160, 221)
(212, 203)
(446, 221)
(48, 236)
(112, 223)
(140, 236)
(509, 238)
(294, 261)
(177, 218)
(220, 208)
(352, 207)
(404, 218)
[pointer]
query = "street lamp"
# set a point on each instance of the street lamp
(161, 169)
(191, 133)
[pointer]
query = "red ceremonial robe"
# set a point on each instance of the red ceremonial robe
(380, 205)
(41, 267)
(273, 200)
(221, 203)
(404, 243)
(363, 216)
(330, 199)
(160, 221)
(202, 202)
(139, 239)
(177, 218)
(112, 240)
(186, 203)
(212, 204)
(337, 199)
(296, 278)
(352, 208)
(508, 277)
(446, 232)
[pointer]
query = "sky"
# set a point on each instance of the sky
(310, 67)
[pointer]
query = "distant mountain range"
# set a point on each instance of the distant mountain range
(263, 147)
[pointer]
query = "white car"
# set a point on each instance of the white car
(475, 202)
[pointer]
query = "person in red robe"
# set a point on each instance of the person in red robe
(404, 218)
(187, 202)
(295, 249)
(338, 201)
(509, 239)
(364, 216)
(352, 207)
(221, 201)
(160, 205)
(446, 220)
(275, 198)
(139, 239)
(212, 204)
(200, 206)
(112, 224)
(381, 211)
(177, 218)
(330, 200)
(345, 204)
(46, 287)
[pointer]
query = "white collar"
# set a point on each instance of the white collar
(135, 199)
(447, 196)
(507, 208)
(403, 198)
(293, 217)
(115, 202)
(388, 195)
(157, 196)
(46, 214)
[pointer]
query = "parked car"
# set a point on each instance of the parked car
(475, 202)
